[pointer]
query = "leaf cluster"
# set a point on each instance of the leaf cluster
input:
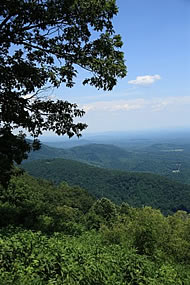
(44, 44)
(96, 242)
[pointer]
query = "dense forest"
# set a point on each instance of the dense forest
(62, 235)
(137, 189)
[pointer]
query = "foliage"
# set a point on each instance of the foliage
(137, 189)
(151, 234)
(33, 258)
(40, 205)
(103, 211)
(12, 149)
(41, 45)
(160, 159)
(46, 237)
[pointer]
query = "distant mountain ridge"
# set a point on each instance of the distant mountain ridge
(97, 154)
(163, 159)
(67, 144)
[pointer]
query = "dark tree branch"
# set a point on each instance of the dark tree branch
(5, 21)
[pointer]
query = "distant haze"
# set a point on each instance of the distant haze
(168, 134)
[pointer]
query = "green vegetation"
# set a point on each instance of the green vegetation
(60, 235)
(137, 189)
(44, 44)
(169, 160)
(38, 204)
(95, 154)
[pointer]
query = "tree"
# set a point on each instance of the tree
(103, 211)
(42, 44)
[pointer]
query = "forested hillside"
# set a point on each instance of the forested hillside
(47, 152)
(34, 203)
(137, 189)
(109, 156)
(170, 160)
(61, 235)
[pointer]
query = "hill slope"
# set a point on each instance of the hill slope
(46, 152)
(163, 159)
(97, 154)
(135, 188)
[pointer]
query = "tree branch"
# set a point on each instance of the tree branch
(5, 21)
(30, 27)
(42, 49)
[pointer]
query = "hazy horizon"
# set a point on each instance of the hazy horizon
(167, 132)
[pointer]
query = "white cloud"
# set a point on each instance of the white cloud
(145, 80)
(156, 104)
(114, 106)
(138, 113)
(159, 104)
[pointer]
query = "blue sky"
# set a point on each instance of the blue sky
(156, 92)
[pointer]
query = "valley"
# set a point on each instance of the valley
(167, 156)
(96, 209)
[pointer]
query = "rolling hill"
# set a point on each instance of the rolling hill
(137, 189)
(170, 160)
(107, 156)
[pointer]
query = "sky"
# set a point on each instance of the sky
(156, 92)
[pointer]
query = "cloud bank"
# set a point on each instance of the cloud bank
(114, 106)
(149, 105)
(137, 114)
(145, 80)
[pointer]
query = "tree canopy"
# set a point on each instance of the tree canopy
(44, 43)
(61, 235)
